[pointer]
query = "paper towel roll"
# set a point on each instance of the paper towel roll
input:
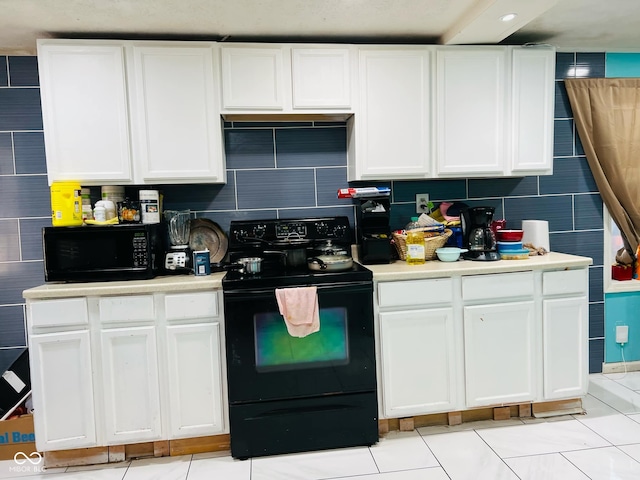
(536, 232)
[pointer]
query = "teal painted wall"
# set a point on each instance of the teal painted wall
(622, 308)
(622, 65)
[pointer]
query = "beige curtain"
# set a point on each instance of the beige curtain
(607, 116)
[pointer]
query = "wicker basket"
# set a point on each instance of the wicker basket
(432, 241)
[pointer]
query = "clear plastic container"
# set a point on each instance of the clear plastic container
(415, 243)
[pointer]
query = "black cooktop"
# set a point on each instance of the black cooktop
(251, 237)
(234, 280)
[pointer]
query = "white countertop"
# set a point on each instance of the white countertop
(169, 283)
(397, 270)
(400, 270)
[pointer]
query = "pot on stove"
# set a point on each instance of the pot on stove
(251, 265)
(330, 263)
(329, 248)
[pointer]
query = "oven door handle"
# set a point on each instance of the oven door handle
(344, 288)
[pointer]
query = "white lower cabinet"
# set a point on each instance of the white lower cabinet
(130, 385)
(195, 379)
(470, 341)
(565, 325)
(566, 352)
(61, 381)
(418, 361)
(499, 350)
(113, 370)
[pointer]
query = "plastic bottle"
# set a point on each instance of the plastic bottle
(415, 243)
(99, 213)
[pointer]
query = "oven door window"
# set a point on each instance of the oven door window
(265, 363)
(276, 350)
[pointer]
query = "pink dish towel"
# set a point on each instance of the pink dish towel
(299, 307)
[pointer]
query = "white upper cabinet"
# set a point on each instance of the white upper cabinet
(390, 135)
(321, 78)
(176, 121)
(272, 78)
(85, 113)
(532, 103)
(121, 112)
(252, 78)
(471, 87)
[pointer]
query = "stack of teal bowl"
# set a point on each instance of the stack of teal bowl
(510, 245)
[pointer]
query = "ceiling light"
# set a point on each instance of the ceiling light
(508, 17)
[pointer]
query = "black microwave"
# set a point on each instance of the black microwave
(96, 253)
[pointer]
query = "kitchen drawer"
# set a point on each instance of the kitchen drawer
(53, 313)
(497, 286)
(430, 292)
(126, 308)
(565, 282)
(191, 305)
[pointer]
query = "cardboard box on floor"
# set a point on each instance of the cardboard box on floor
(16, 435)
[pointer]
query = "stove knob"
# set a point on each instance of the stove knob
(322, 228)
(339, 231)
(259, 230)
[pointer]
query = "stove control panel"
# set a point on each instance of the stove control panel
(291, 230)
(315, 229)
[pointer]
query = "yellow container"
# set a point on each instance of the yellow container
(66, 204)
(415, 247)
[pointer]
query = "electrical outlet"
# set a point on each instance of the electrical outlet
(422, 203)
(622, 334)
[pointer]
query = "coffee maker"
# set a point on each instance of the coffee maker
(178, 257)
(373, 230)
(477, 234)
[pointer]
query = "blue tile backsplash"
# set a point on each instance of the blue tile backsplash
(289, 170)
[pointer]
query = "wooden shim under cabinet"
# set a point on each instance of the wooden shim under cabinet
(406, 424)
(116, 454)
(161, 448)
(524, 410)
(559, 407)
(187, 446)
(76, 457)
(138, 450)
(501, 413)
(545, 409)
(454, 418)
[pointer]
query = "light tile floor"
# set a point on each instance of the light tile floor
(602, 444)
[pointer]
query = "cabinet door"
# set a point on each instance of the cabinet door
(130, 382)
(84, 110)
(321, 78)
(532, 100)
(471, 108)
(177, 129)
(252, 78)
(393, 126)
(565, 352)
(499, 347)
(62, 386)
(418, 362)
(195, 380)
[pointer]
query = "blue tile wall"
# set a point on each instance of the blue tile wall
(24, 194)
(4, 76)
(289, 170)
(29, 152)
(13, 326)
(6, 154)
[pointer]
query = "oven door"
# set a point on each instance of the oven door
(265, 363)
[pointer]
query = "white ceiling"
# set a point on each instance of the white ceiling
(570, 25)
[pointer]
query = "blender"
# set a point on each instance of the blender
(178, 258)
(477, 234)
